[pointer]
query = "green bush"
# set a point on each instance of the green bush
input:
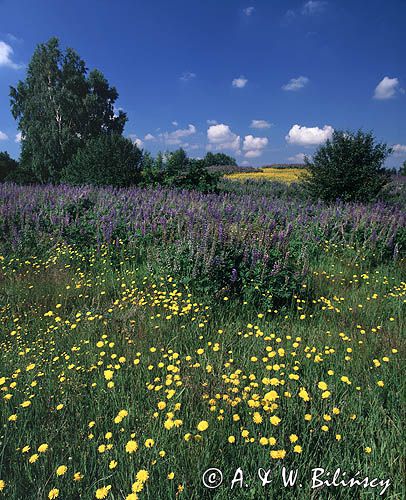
(347, 167)
(7, 166)
(109, 160)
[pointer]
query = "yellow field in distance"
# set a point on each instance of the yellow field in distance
(270, 174)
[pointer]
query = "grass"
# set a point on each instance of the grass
(98, 353)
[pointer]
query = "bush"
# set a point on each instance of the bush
(348, 167)
(8, 166)
(109, 160)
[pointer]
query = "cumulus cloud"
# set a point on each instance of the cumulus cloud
(309, 136)
(149, 137)
(254, 146)
(175, 138)
(260, 124)
(211, 122)
(18, 137)
(175, 123)
(6, 53)
(187, 76)
(3, 136)
(399, 149)
(296, 83)
(386, 88)
(220, 136)
(313, 7)
(139, 142)
(240, 82)
(248, 10)
(298, 158)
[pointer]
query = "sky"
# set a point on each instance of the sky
(266, 81)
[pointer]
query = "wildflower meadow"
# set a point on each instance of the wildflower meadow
(162, 344)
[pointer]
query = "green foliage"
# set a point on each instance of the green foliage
(59, 108)
(175, 169)
(212, 159)
(108, 160)
(348, 167)
(403, 168)
(7, 166)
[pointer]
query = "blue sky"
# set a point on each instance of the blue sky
(265, 81)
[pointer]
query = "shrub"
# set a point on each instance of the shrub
(7, 166)
(110, 160)
(347, 167)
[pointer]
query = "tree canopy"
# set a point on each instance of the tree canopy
(348, 166)
(59, 106)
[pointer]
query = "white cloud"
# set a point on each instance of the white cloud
(187, 76)
(313, 7)
(248, 10)
(298, 158)
(309, 136)
(253, 153)
(245, 163)
(3, 136)
(211, 122)
(386, 88)
(399, 149)
(175, 123)
(6, 53)
(149, 137)
(254, 146)
(139, 142)
(18, 137)
(175, 138)
(221, 137)
(296, 83)
(240, 82)
(260, 124)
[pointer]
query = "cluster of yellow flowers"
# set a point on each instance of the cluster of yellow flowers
(287, 175)
(122, 373)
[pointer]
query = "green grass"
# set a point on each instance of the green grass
(347, 314)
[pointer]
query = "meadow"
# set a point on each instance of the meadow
(148, 335)
(287, 175)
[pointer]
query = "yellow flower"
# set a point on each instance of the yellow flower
(274, 420)
(77, 476)
(293, 438)
(171, 475)
(112, 464)
(297, 449)
(149, 443)
(131, 446)
(2, 484)
(103, 492)
(42, 448)
(53, 493)
(25, 404)
(33, 458)
(338, 437)
(131, 496)
(137, 487)
(322, 386)
(231, 439)
(202, 426)
(60, 471)
(276, 454)
(368, 449)
(142, 475)
(108, 374)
